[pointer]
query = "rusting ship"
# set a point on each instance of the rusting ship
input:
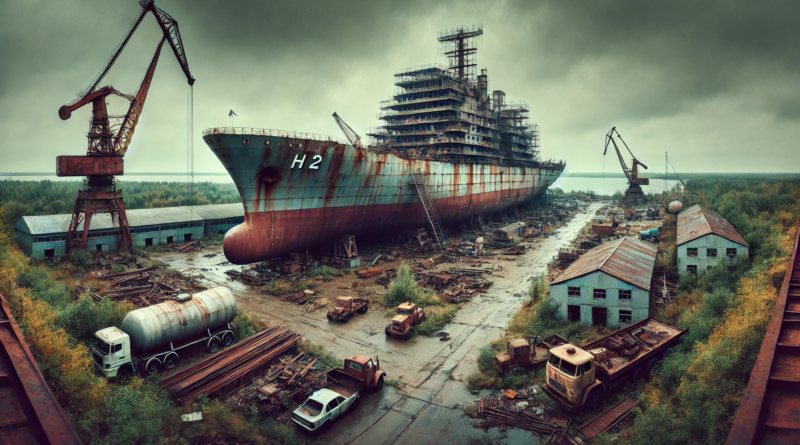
(445, 142)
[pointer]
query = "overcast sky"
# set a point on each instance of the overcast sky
(714, 83)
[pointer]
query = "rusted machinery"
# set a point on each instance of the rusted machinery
(109, 137)
(29, 413)
(634, 194)
(346, 307)
(408, 316)
(770, 408)
(526, 354)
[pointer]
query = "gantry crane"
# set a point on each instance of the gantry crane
(109, 137)
(349, 133)
(634, 194)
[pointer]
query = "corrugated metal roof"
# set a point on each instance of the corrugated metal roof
(511, 228)
(51, 224)
(696, 221)
(628, 259)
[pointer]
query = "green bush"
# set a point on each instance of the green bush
(486, 358)
(136, 416)
(405, 288)
(245, 326)
(85, 317)
(327, 359)
(82, 259)
(325, 272)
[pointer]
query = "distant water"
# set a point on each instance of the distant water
(607, 186)
(221, 178)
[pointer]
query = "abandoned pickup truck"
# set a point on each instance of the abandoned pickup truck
(324, 406)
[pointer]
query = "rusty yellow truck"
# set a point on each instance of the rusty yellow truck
(582, 377)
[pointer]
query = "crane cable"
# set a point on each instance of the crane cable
(191, 154)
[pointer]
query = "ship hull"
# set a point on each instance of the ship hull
(299, 191)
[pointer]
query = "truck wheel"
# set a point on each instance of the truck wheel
(410, 332)
(213, 344)
(347, 318)
(329, 316)
(379, 386)
(123, 375)
(595, 399)
(648, 371)
(388, 334)
(153, 366)
(355, 403)
(227, 339)
(171, 360)
(666, 353)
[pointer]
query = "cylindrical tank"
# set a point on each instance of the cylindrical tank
(675, 206)
(173, 321)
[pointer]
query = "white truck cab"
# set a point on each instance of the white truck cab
(322, 407)
(111, 350)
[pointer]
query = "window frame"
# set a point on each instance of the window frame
(692, 251)
(691, 268)
(711, 251)
(596, 292)
(629, 314)
(628, 292)
(571, 290)
(728, 251)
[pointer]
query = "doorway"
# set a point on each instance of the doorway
(99, 247)
(599, 316)
(187, 237)
(148, 242)
(49, 253)
(574, 313)
(170, 239)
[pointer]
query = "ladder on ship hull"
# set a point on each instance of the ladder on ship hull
(427, 204)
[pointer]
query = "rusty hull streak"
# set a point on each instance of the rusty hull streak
(29, 412)
(770, 408)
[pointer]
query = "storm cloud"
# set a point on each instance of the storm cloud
(713, 83)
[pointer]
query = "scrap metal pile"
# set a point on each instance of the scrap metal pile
(514, 408)
(231, 368)
(142, 287)
(292, 379)
(454, 287)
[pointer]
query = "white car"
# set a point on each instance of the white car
(324, 406)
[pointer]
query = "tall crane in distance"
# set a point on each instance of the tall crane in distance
(349, 133)
(633, 194)
(110, 136)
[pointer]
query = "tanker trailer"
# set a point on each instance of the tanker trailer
(151, 337)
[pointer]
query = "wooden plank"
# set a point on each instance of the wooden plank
(608, 417)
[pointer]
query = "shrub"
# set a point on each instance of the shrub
(245, 326)
(82, 259)
(136, 413)
(85, 317)
(436, 319)
(327, 359)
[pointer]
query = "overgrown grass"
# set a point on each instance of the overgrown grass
(216, 239)
(327, 272)
(436, 319)
(245, 326)
(327, 359)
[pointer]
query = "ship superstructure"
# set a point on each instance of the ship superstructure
(447, 113)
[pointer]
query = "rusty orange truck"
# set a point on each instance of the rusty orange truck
(582, 377)
(526, 354)
(408, 316)
(346, 307)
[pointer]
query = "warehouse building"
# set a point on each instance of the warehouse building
(608, 285)
(46, 235)
(704, 239)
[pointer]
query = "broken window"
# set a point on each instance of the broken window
(599, 293)
(691, 251)
(356, 366)
(625, 316)
(573, 291)
(731, 251)
(711, 252)
(625, 294)
(691, 270)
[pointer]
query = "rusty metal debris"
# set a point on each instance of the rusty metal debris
(519, 411)
(29, 412)
(231, 368)
(609, 418)
(142, 287)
